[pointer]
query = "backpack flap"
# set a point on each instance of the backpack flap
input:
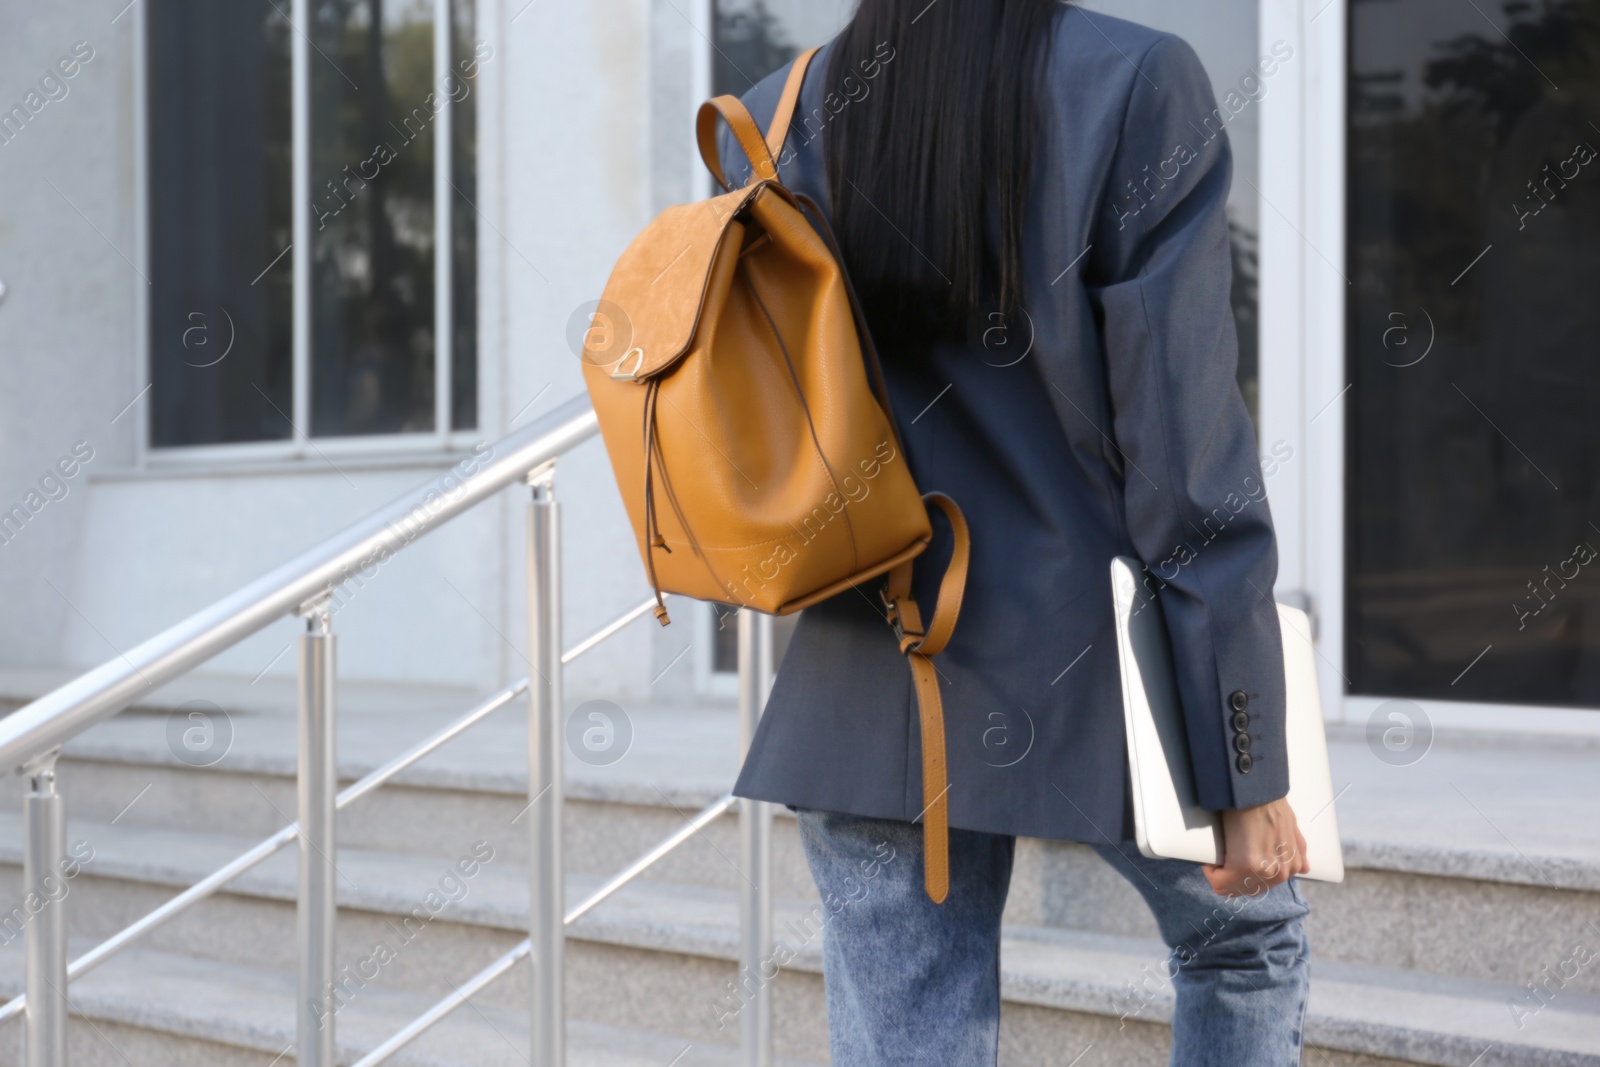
(658, 290)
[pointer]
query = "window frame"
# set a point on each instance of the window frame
(301, 445)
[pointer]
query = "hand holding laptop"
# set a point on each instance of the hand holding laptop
(1261, 847)
(1298, 834)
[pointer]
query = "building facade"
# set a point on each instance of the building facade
(246, 302)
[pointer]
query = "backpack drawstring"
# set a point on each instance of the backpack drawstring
(652, 528)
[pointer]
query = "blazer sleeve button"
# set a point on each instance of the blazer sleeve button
(1241, 721)
(1244, 763)
(1241, 742)
(1239, 700)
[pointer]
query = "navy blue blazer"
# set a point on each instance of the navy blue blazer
(1107, 422)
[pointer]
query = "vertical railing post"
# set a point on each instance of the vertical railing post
(317, 908)
(45, 936)
(756, 968)
(546, 890)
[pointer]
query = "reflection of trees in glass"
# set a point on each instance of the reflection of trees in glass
(373, 300)
(750, 44)
(1495, 76)
(1430, 164)
(1374, 93)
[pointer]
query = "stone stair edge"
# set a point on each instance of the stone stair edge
(1054, 981)
(1506, 866)
(1340, 1031)
(1510, 867)
(130, 1001)
(420, 776)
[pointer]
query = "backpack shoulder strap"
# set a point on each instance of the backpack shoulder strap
(778, 131)
(745, 131)
(762, 152)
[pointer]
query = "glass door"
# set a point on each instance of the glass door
(1472, 490)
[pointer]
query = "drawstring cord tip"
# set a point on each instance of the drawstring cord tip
(661, 614)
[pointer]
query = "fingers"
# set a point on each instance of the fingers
(1263, 847)
(1249, 875)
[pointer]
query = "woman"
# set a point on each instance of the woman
(1030, 199)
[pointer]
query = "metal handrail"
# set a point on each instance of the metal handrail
(472, 986)
(31, 740)
(259, 853)
(57, 717)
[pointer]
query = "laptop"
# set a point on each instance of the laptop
(1168, 821)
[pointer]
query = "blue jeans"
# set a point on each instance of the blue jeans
(914, 984)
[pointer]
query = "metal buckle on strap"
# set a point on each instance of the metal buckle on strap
(908, 642)
(637, 355)
(891, 611)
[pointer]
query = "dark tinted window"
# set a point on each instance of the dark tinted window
(464, 221)
(1474, 446)
(753, 38)
(218, 90)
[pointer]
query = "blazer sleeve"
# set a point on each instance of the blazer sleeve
(1194, 495)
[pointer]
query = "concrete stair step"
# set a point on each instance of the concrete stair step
(686, 753)
(1454, 911)
(661, 956)
(605, 829)
(1405, 1016)
(203, 1012)
(1516, 815)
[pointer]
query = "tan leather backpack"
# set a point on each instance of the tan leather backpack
(760, 467)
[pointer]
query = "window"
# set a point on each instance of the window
(756, 37)
(1473, 452)
(382, 338)
(218, 78)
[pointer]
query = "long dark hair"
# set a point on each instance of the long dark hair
(921, 162)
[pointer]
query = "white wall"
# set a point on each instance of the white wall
(580, 186)
(64, 325)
